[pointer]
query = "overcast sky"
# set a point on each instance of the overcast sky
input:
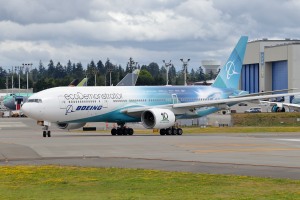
(147, 30)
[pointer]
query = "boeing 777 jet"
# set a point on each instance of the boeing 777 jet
(154, 106)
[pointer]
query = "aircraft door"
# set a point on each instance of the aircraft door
(62, 102)
(175, 98)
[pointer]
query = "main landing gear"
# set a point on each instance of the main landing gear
(46, 132)
(171, 131)
(122, 130)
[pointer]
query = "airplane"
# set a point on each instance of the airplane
(156, 107)
(10, 100)
(280, 106)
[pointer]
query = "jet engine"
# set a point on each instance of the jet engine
(158, 118)
(278, 108)
(70, 126)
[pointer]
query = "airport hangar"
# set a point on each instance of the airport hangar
(271, 65)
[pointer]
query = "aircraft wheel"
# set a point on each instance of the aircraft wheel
(173, 131)
(113, 131)
(179, 131)
(119, 131)
(162, 131)
(44, 134)
(168, 131)
(49, 133)
(126, 131)
(130, 131)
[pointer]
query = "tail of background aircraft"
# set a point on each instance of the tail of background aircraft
(230, 73)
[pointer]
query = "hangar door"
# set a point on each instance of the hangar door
(279, 75)
(250, 78)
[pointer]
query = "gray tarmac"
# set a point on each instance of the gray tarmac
(260, 154)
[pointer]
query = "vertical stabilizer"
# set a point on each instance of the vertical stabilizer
(230, 73)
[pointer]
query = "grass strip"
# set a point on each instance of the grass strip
(57, 182)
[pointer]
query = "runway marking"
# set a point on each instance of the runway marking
(222, 145)
(291, 140)
(245, 150)
(12, 124)
(232, 147)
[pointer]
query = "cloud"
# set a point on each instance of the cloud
(82, 30)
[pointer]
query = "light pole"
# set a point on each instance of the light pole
(167, 65)
(27, 68)
(184, 64)
(19, 69)
(110, 70)
(12, 79)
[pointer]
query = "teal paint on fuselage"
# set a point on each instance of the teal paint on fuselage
(9, 99)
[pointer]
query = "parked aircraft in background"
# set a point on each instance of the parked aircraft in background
(155, 106)
(281, 106)
(130, 79)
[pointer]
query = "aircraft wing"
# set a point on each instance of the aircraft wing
(264, 93)
(292, 105)
(221, 103)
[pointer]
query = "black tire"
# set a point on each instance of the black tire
(126, 131)
(130, 131)
(49, 133)
(168, 131)
(162, 131)
(174, 131)
(44, 134)
(119, 131)
(113, 131)
(179, 131)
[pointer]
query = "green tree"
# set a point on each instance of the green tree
(51, 69)
(145, 78)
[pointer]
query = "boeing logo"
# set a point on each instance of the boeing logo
(165, 116)
(70, 109)
(230, 70)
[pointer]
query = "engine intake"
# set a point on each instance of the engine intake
(158, 118)
(278, 108)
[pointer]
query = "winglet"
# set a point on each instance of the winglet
(230, 73)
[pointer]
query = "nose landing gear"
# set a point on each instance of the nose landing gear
(46, 132)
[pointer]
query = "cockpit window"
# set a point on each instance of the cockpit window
(34, 100)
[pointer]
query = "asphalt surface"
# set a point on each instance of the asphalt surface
(261, 154)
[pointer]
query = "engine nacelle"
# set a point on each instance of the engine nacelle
(70, 126)
(158, 118)
(278, 108)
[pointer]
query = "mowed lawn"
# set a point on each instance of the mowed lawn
(57, 182)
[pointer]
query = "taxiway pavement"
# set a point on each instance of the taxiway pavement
(261, 154)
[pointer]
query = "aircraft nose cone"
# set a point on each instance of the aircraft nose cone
(25, 109)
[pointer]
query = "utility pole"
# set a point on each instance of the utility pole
(167, 65)
(184, 64)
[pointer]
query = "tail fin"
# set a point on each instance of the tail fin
(229, 75)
